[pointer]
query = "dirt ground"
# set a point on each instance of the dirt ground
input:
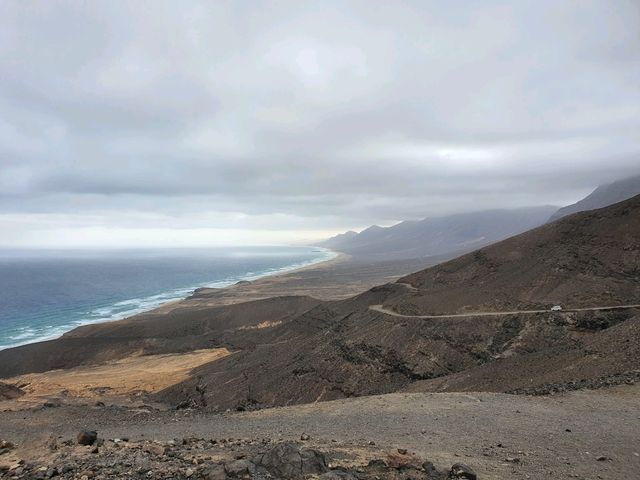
(585, 434)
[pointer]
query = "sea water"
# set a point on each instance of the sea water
(46, 293)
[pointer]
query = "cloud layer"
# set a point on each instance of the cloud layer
(257, 121)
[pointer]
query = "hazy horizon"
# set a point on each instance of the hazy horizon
(193, 124)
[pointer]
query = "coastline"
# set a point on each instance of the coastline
(185, 293)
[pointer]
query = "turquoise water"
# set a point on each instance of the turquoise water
(46, 293)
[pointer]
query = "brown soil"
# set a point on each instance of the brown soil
(131, 376)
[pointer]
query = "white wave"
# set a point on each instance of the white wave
(133, 306)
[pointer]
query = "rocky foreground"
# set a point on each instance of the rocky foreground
(585, 435)
(90, 457)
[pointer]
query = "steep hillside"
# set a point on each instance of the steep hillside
(438, 236)
(588, 259)
(603, 196)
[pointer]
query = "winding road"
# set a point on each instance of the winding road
(381, 309)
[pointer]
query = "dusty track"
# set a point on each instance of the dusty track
(381, 309)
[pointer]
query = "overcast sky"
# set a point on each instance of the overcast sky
(206, 123)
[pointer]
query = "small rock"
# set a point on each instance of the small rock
(430, 470)
(512, 460)
(402, 451)
(377, 463)
(460, 470)
(602, 458)
(87, 437)
(6, 444)
(189, 472)
(155, 449)
(304, 437)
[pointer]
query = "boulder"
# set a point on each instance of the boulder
(87, 437)
(287, 460)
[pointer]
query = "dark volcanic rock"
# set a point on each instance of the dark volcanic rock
(287, 460)
(87, 437)
(460, 470)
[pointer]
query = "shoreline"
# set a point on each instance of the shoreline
(189, 293)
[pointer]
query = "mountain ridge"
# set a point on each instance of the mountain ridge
(604, 195)
(439, 235)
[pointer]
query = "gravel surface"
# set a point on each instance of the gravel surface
(585, 434)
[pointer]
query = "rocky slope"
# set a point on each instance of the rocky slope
(603, 196)
(588, 259)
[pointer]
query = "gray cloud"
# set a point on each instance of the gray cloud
(288, 115)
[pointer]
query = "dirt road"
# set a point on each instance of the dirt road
(381, 309)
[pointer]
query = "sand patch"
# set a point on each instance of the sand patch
(128, 376)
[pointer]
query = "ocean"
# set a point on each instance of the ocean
(46, 293)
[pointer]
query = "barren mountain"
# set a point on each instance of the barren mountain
(588, 259)
(439, 236)
(603, 196)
